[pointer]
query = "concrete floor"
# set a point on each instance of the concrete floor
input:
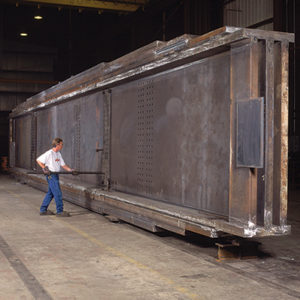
(89, 257)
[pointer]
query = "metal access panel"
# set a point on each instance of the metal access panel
(250, 133)
(170, 135)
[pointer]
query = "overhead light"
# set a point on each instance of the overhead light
(23, 33)
(37, 14)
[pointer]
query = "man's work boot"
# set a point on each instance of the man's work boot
(63, 214)
(46, 213)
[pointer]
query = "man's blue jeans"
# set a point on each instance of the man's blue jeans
(53, 191)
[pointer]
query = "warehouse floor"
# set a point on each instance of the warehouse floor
(89, 257)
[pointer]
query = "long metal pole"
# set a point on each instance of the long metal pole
(66, 173)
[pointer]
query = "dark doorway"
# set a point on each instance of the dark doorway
(4, 133)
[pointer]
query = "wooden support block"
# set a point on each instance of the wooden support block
(237, 250)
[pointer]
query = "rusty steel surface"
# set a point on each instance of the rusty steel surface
(284, 109)
(250, 133)
(79, 124)
(23, 147)
(159, 131)
(178, 132)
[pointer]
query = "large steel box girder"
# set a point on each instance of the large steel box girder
(190, 134)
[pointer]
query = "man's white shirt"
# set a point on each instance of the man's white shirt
(53, 160)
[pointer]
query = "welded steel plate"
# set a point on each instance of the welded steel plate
(23, 147)
(250, 133)
(80, 124)
(170, 136)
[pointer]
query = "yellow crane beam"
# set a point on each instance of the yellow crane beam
(119, 5)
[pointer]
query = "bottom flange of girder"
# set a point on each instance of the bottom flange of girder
(151, 214)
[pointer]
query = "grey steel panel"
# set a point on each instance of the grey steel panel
(46, 129)
(23, 147)
(33, 154)
(68, 123)
(80, 124)
(106, 150)
(91, 136)
(170, 136)
(250, 133)
(12, 143)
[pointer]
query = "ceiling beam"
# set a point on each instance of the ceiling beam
(120, 5)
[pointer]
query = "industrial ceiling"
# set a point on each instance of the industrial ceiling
(83, 33)
(119, 5)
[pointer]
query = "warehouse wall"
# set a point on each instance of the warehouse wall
(202, 16)
(25, 70)
(249, 13)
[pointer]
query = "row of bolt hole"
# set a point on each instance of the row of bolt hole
(145, 166)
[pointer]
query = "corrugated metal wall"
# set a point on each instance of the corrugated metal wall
(249, 13)
(202, 16)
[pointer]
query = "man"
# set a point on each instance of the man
(51, 161)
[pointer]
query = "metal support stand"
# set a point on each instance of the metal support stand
(237, 249)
